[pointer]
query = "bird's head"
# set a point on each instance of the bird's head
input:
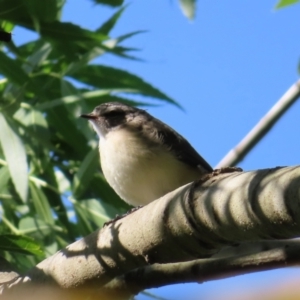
(114, 116)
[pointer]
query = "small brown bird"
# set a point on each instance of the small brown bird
(141, 157)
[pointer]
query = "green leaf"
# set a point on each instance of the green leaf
(284, 3)
(70, 39)
(85, 173)
(110, 78)
(4, 178)
(45, 87)
(35, 124)
(188, 8)
(109, 2)
(84, 226)
(57, 203)
(71, 143)
(74, 98)
(15, 155)
(27, 49)
(129, 35)
(35, 227)
(46, 10)
(95, 211)
(38, 57)
(83, 60)
(6, 26)
(14, 11)
(68, 32)
(67, 88)
(12, 97)
(41, 203)
(12, 70)
(20, 244)
(111, 22)
(30, 14)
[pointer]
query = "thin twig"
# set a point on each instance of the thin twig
(202, 270)
(236, 154)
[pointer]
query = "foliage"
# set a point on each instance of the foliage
(284, 3)
(52, 190)
(188, 8)
(51, 186)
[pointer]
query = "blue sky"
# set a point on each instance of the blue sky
(226, 68)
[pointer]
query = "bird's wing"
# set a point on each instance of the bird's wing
(176, 143)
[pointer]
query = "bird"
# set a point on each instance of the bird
(141, 157)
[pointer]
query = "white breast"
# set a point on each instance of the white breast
(140, 174)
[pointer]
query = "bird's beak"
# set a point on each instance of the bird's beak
(90, 116)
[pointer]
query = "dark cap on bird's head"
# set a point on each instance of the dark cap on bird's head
(113, 115)
(110, 109)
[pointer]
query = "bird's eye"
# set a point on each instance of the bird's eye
(114, 114)
(114, 118)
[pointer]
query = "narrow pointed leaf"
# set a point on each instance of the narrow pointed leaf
(92, 95)
(284, 3)
(4, 178)
(12, 70)
(46, 10)
(38, 57)
(110, 78)
(15, 155)
(188, 8)
(84, 225)
(70, 39)
(109, 2)
(85, 172)
(96, 211)
(111, 22)
(21, 244)
(40, 203)
(15, 11)
(129, 35)
(35, 227)
(67, 32)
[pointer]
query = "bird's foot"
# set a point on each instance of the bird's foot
(226, 170)
(119, 217)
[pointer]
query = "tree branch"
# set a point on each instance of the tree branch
(190, 224)
(202, 270)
